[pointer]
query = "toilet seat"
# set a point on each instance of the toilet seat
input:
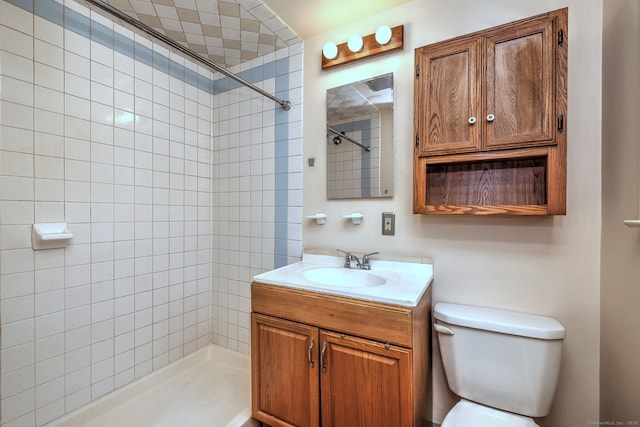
(469, 414)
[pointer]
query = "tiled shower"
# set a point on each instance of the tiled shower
(178, 184)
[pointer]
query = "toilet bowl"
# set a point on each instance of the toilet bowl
(503, 364)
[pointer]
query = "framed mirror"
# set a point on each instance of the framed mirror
(360, 139)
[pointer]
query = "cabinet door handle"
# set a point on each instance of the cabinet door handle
(311, 362)
(322, 359)
(491, 118)
(472, 120)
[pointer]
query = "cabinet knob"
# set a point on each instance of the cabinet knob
(472, 120)
(491, 118)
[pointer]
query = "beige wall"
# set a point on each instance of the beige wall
(550, 265)
(620, 286)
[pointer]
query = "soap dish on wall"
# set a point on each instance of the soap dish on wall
(319, 217)
(355, 217)
(50, 236)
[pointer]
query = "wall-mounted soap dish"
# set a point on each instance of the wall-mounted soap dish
(355, 217)
(50, 236)
(319, 217)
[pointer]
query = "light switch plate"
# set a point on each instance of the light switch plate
(388, 224)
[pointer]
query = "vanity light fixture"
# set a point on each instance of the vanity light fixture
(383, 34)
(355, 43)
(384, 40)
(330, 50)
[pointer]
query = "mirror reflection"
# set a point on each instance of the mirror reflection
(360, 139)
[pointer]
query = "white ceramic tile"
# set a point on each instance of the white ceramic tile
(123, 64)
(17, 91)
(16, 115)
(102, 133)
(124, 324)
(19, 308)
(78, 380)
(77, 317)
(49, 54)
(48, 31)
(77, 86)
(102, 354)
(51, 324)
(16, 261)
(49, 347)
(77, 399)
(49, 302)
(18, 405)
(49, 392)
(101, 331)
(101, 54)
(102, 94)
(77, 65)
(49, 369)
(103, 114)
(51, 190)
(77, 275)
(16, 164)
(16, 66)
(77, 128)
(16, 42)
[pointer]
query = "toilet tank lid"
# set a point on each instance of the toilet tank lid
(502, 321)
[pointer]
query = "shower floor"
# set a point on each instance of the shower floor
(211, 387)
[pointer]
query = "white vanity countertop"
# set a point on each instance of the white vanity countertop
(404, 282)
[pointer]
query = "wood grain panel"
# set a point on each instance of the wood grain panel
(285, 388)
(380, 374)
(504, 182)
(447, 94)
(520, 84)
(367, 319)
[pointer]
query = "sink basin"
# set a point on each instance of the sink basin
(342, 277)
(394, 282)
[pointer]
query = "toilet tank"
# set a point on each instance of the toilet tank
(504, 359)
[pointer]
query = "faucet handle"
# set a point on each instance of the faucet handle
(368, 255)
(347, 258)
(365, 258)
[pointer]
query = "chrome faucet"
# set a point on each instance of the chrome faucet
(349, 257)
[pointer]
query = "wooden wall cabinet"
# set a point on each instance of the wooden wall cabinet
(322, 360)
(490, 120)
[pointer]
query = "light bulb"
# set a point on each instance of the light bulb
(355, 43)
(330, 50)
(383, 34)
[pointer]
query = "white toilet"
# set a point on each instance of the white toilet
(503, 364)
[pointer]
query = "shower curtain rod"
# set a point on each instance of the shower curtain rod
(286, 105)
(351, 140)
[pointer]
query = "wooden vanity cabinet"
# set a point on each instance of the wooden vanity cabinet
(284, 385)
(323, 360)
(490, 120)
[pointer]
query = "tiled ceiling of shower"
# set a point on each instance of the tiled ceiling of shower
(226, 32)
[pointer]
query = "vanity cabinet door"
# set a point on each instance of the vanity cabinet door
(284, 366)
(447, 97)
(520, 84)
(364, 383)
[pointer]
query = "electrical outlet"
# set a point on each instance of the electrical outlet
(388, 224)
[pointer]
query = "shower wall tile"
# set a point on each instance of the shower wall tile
(172, 217)
(121, 151)
(257, 184)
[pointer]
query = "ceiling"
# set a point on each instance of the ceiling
(309, 18)
(229, 32)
